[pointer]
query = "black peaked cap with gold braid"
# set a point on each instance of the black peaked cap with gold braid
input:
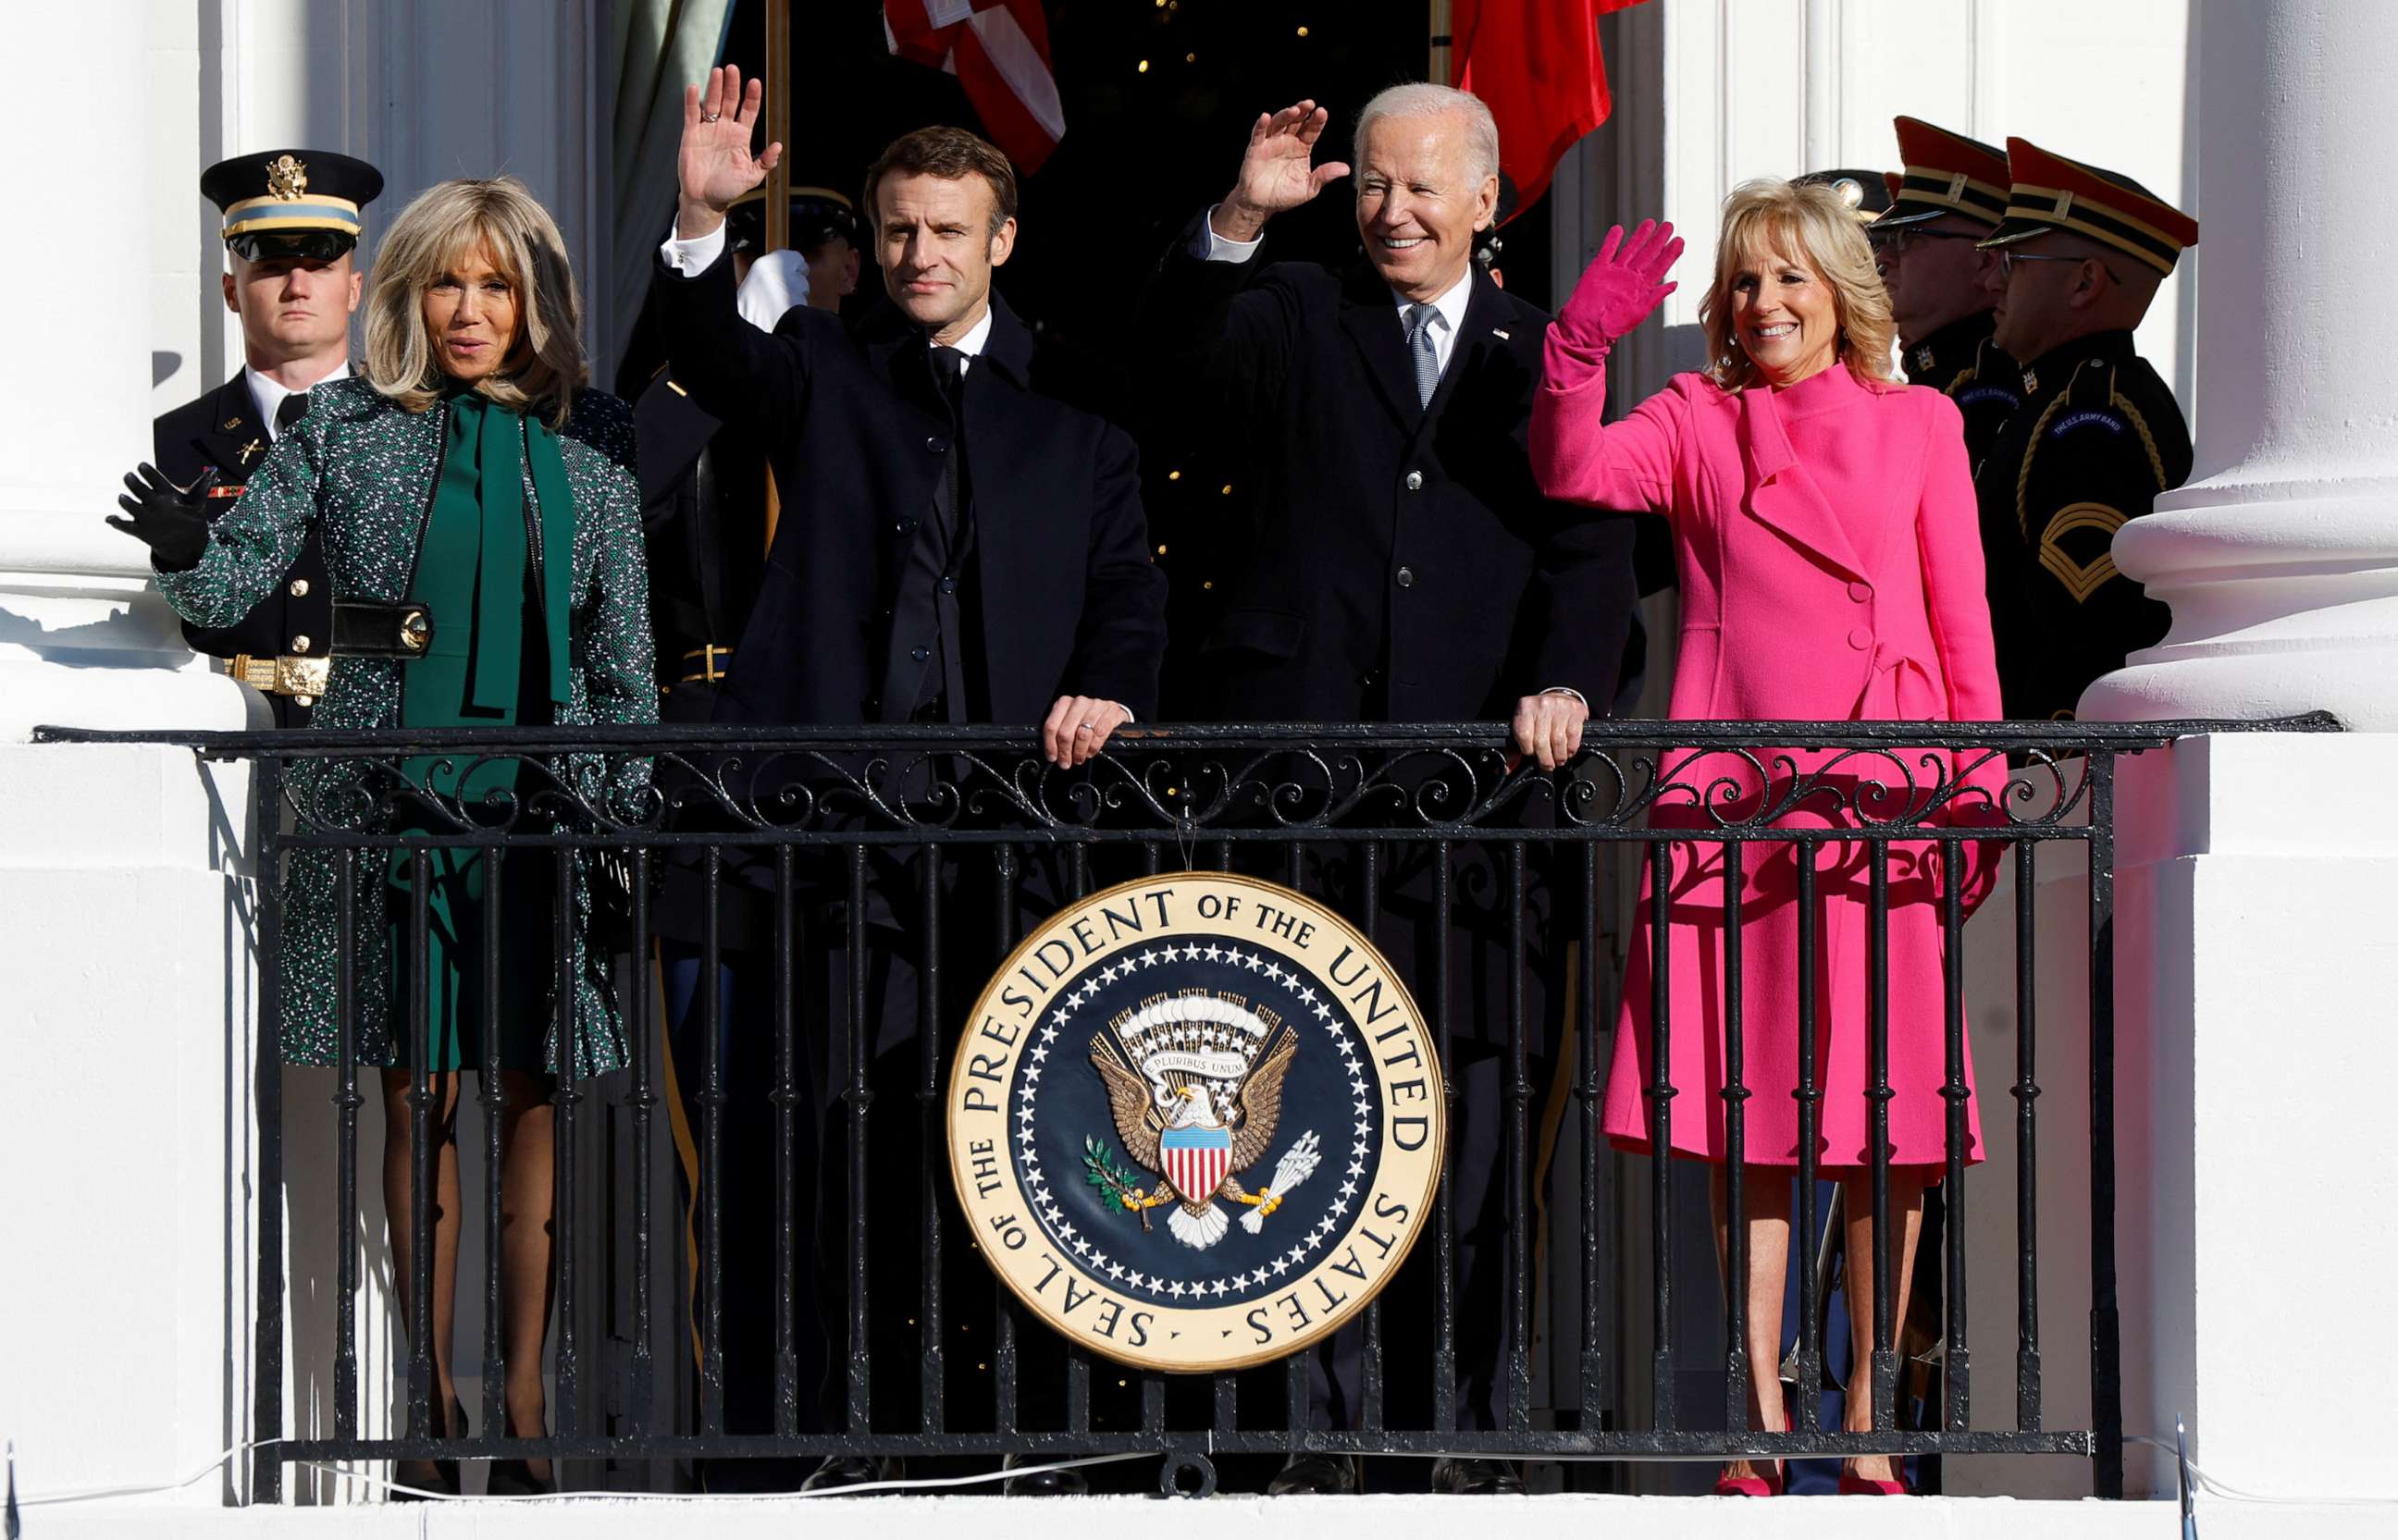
(295, 202)
(1946, 173)
(2050, 193)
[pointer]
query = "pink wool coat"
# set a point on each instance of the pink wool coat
(1832, 570)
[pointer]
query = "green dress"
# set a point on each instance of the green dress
(363, 469)
(496, 659)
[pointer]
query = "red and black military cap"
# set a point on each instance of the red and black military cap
(1945, 173)
(2050, 193)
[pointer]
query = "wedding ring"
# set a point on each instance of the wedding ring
(709, 117)
(1086, 727)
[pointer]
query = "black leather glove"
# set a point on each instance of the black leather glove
(166, 517)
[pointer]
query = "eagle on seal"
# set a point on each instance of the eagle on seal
(1171, 1127)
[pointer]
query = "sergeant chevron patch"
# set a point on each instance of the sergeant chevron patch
(1195, 1122)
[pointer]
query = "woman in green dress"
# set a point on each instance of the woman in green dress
(471, 473)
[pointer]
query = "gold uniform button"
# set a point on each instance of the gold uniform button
(299, 588)
(299, 644)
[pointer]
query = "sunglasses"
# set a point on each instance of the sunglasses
(1892, 242)
(2007, 259)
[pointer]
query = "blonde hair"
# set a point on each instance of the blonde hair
(444, 221)
(1808, 221)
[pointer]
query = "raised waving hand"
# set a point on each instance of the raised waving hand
(714, 166)
(1623, 286)
(1278, 172)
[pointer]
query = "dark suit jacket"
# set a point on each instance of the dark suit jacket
(1409, 568)
(703, 525)
(1070, 601)
(221, 430)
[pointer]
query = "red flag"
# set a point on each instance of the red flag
(998, 51)
(1536, 65)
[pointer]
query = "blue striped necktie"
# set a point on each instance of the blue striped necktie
(1420, 320)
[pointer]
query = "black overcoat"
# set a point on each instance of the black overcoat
(1409, 569)
(1070, 602)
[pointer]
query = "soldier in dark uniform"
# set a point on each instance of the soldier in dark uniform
(291, 223)
(2082, 252)
(705, 487)
(1943, 205)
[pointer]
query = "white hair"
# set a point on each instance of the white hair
(1422, 99)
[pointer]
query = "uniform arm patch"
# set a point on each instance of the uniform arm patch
(2081, 579)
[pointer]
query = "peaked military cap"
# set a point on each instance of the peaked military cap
(1945, 174)
(291, 203)
(817, 214)
(2051, 193)
(1864, 192)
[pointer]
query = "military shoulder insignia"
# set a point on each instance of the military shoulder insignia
(287, 178)
(1195, 1122)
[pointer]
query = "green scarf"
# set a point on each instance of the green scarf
(471, 570)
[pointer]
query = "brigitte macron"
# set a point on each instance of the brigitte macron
(472, 476)
(1824, 527)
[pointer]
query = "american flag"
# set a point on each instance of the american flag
(998, 51)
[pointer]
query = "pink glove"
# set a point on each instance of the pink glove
(1624, 284)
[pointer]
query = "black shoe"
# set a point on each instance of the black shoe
(444, 1481)
(851, 1471)
(1042, 1483)
(1477, 1477)
(1313, 1475)
(515, 1478)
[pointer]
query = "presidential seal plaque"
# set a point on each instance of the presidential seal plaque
(1195, 1122)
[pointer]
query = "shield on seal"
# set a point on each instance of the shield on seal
(1196, 1160)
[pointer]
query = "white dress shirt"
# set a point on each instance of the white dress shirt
(1451, 305)
(269, 394)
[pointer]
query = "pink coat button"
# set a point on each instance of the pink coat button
(1860, 592)
(1860, 638)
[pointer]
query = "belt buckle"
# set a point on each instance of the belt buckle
(303, 676)
(709, 671)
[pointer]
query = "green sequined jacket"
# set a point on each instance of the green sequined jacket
(362, 468)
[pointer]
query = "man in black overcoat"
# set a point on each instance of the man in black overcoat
(953, 546)
(1409, 570)
(292, 225)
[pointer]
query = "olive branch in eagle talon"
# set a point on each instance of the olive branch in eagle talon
(1158, 1118)
(1117, 1182)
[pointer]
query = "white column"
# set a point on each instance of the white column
(2254, 872)
(83, 640)
(2279, 559)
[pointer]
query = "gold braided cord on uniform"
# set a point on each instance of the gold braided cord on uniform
(2079, 580)
(2148, 439)
(2031, 451)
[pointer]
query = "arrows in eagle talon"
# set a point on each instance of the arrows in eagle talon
(1297, 1163)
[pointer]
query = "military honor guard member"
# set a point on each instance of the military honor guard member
(292, 225)
(2080, 252)
(954, 546)
(1943, 205)
(1410, 570)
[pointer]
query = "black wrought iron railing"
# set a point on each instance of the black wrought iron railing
(939, 847)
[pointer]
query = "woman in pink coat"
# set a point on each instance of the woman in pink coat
(1831, 571)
